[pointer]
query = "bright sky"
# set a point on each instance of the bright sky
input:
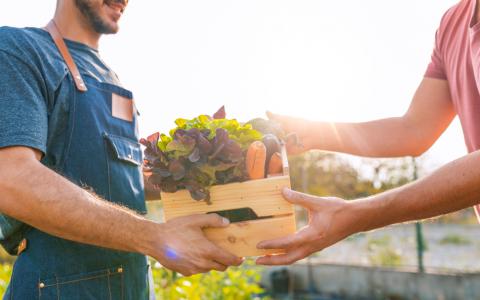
(327, 60)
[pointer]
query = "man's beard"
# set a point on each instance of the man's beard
(93, 18)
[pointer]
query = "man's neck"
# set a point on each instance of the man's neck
(73, 26)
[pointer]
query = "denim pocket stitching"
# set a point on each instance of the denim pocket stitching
(122, 289)
(114, 142)
(111, 88)
(107, 158)
(71, 126)
(109, 289)
(76, 280)
(126, 139)
(58, 288)
(101, 273)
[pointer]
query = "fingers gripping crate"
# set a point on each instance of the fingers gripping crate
(260, 201)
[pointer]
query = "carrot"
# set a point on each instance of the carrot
(275, 165)
(255, 160)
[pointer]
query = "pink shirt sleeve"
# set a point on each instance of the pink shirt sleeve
(436, 67)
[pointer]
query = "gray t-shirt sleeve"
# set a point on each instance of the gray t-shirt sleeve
(23, 108)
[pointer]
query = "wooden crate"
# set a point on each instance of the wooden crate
(263, 196)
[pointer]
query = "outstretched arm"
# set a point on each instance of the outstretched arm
(43, 199)
(453, 187)
(429, 114)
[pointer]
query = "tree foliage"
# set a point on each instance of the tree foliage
(329, 174)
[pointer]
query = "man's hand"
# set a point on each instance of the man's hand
(330, 220)
(429, 114)
(182, 246)
(301, 127)
(452, 187)
(49, 202)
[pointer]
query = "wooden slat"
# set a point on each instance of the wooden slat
(285, 167)
(242, 238)
(263, 196)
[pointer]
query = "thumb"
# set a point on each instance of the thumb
(210, 220)
(272, 116)
(298, 198)
(288, 123)
(277, 117)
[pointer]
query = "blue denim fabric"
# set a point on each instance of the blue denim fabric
(102, 153)
(35, 101)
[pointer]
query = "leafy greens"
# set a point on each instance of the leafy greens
(199, 153)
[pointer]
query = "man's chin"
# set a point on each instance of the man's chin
(111, 30)
(106, 28)
(101, 19)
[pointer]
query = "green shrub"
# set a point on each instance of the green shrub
(386, 257)
(381, 253)
(5, 273)
(378, 242)
(455, 239)
(235, 284)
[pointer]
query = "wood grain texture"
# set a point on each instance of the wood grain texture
(262, 195)
(242, 238)
(286, 167)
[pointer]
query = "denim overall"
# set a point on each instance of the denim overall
(102, 153)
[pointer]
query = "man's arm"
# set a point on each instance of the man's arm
(43, 199)
(429, 114)
(451, 188)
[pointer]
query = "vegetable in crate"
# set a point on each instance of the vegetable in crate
(199, 153)
(275, 165)
(255, 160)
(206, 151)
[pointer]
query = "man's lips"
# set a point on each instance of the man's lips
(116, 6)
(116, 10)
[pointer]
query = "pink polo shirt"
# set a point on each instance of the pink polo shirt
(456, 58)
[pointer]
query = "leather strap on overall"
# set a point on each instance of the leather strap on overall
(58, 39)
(77, 78)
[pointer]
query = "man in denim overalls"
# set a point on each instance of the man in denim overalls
(70, 168)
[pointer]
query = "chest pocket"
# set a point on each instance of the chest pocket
(124, 171)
